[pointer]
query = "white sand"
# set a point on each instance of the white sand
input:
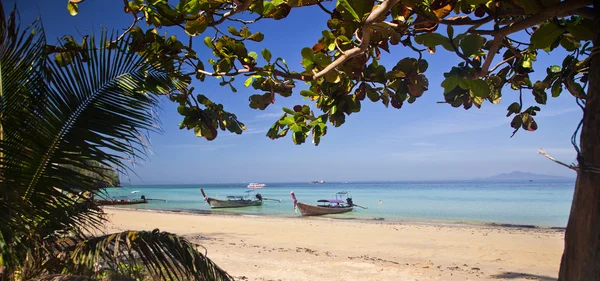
(270, 248)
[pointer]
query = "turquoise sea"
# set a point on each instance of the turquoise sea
(540, 203)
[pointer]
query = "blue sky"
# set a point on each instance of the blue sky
(422, 141)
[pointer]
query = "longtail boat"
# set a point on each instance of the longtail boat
(326, 206)
(121, 201)
(235, 201)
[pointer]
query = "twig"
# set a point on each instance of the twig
(324, 9)
(338, 46)
(129, 28)
(572, 167)
(490, 56)
(245, 5)
(245, 21)
(501, 63)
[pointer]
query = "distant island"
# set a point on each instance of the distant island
(518, 175)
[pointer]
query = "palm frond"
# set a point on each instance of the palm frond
(55, 119)
(164, 255)
(62, 277)
(22, 88)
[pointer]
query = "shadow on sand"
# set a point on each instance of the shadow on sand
(518, 275)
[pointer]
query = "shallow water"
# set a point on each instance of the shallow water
(541, 203)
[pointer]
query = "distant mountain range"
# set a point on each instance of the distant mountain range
(517, 175)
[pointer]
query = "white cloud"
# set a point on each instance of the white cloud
(424, 144)
(250, 131)
(463, 122)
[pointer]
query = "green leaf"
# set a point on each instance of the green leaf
(479, 88)
(450, 83)
(195, 27)
(432, 40)
(307, 53)
(344, 7)
(232, 30)
(248, 82)
(544, 36)
(73, 8)
(253, 55)
(556, 88)
(472, 44)
(583, 31)
(516, 122)
(450, 31)
(464, 83)
(308, 93)
(266, 54)
(540, 95)
(208, 42)
(513, 108)
(258, 37)
(332, 76)
(63, 59)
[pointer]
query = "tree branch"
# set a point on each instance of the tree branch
(559, 10)
(562, 9)
(572, 167)
(324, 9)
(379, 12)
(245, 21)
(245, 5)
(464, 20)
(129, 28)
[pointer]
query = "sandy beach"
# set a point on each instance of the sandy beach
(273, 248)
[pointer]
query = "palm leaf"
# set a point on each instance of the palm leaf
(62, 277)
(55, 119)
(22, 88)
(164, 255)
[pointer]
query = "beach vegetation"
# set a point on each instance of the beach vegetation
(496, 42)
(69, 118)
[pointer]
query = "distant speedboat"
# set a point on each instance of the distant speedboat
(256, 185)
(317, 182)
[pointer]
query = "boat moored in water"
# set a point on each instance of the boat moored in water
(249, 199)
(341, 204)
(121, 200)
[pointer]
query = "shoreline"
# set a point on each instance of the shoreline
(416, 221)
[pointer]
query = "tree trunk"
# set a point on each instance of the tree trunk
(581, 258)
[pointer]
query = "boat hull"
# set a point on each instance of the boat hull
(311, 210)
(216, 203)
(120, 202)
